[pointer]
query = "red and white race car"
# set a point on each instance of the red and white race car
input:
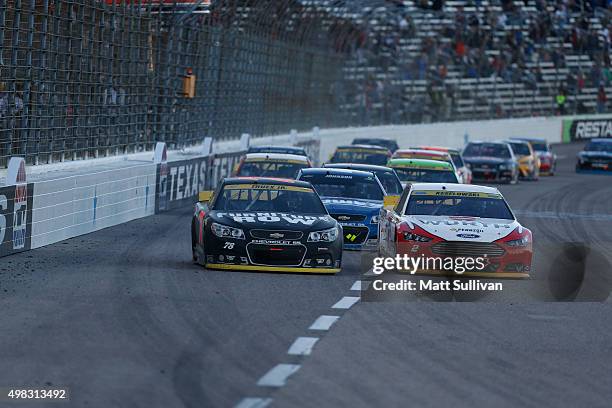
(433, 220)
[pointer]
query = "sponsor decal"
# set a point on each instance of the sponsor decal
(351, 237)
(446, 193)
(274, 187)
(15, 218)
(244, 217)
(456, 222)
(468, 236)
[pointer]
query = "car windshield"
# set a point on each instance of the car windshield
(487, 149)
(389, 144)
(520, 149)
(361, 156)
(345, 185)
(278, 169)
(390, 182)
(443, 203)
(539, 146)
(269, 197)
(426, 175)
(599, 147)
(457, 160)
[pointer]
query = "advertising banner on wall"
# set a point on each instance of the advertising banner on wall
(586, 128)
(179, 182)
(15, 218)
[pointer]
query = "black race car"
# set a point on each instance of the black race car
(491, 162)
(265, 224)
(596, 156)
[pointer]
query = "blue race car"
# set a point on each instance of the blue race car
(354, 198)
(386, 175)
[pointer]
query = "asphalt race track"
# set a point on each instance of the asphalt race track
(124, 319)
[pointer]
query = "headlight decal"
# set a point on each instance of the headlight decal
(328, 235)
(225, 231)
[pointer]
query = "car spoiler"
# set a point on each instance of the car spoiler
(205, 196)
(390, 201)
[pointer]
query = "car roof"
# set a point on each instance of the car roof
(468, 188)
(357, 166)
(362, 146)
(422, 151)
(515, 141)
(276, 156)
(416, 163)
(264, 149)
(488, 142)
(330, 170)
(601, 140)
(266, 180)
(438, 149)
(529, 139)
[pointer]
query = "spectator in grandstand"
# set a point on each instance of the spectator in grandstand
(602, 99)
(561, 99)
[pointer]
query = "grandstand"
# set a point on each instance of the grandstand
(477, 59)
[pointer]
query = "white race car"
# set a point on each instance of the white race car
(436, 220)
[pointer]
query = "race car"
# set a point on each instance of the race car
(439, 221)
(547, 158)
(364, 154)
(278, 165)
(265, 224)
(386, 175)
(413, 153)
(352, 197)
(465, 174)
(424, 171)
(491, 162)
(299, 151)
(596, 155)
(528, 162)
(376, 141)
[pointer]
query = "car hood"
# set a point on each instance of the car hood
(351, 205)
(272, 220)
(485, 160)
(473, 229)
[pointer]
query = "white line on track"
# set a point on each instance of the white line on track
(356, 285)
(323, 322)
(277, 376)
(251, 402)
(302, 346)
(346, 302)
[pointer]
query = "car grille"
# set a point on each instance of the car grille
(472, 249)
(276, 255)
(349, 217)
(355, 235)
(276, 234)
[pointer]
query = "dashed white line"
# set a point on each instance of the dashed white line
(251, 402)
(346, 302)
(356, 285)
(323, 322)
(277, 376)
(302, 346)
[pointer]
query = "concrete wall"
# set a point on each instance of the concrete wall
(71, 206)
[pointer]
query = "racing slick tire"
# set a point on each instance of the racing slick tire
(198, 257)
